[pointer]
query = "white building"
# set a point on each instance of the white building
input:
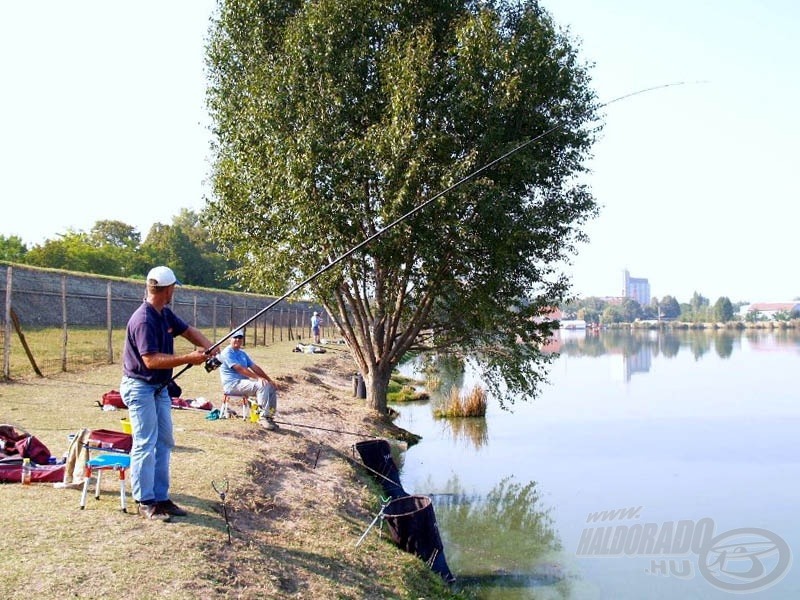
(636, 288)
(768, 310)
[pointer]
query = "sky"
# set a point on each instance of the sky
(104, 118)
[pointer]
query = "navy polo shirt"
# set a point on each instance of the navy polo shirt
(149, 332)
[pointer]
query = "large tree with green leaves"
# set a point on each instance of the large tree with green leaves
(333, 118)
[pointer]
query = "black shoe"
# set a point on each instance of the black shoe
(168, 507)
(268, 424)
(154, 512)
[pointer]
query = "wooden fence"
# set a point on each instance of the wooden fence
(55, 321)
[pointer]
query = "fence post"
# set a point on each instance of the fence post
(64, 328)
(109, 324)
(7, 332)
(214, 318)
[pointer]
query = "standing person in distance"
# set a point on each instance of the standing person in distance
(241, 376)
(316, 322)
(147, 361)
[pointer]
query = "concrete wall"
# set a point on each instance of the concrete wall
(42, 297)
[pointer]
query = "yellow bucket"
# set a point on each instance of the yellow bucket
(126, 425)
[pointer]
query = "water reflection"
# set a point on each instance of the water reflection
(709, 432)
(638, 348)
(668, 343)
(471, 430)
(504, 542)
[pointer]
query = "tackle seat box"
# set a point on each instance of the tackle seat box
(11, 472)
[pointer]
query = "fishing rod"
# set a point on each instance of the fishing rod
(212, 363)
(371, 525)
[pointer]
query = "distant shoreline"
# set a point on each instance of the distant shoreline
(733, 325)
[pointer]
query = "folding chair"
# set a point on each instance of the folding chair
(116, 447)
(249, 407)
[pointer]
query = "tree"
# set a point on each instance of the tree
(114, 233)
(12, 249)
(670, 308)
(170, 245)
(120, 243)
(189, 249)
(74, 251)
(114, 248)
(754, 316)
(626, 311)
(590, 315)
(697, 310)
(589, 309)
(613, 313)
(698, 302)
(723, 310)
(650, 311)
(333, 118)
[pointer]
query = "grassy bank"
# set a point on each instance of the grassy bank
(297, 500)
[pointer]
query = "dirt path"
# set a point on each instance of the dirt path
(311, 484)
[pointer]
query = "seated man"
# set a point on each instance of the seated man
(242, 377)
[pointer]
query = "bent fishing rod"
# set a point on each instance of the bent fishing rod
(212, 363)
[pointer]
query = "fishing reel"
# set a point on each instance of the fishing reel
(212, 364)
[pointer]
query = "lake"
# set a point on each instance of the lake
(653, 465)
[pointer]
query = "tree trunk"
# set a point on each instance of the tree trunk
(377, 383)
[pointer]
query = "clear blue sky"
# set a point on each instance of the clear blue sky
(104, 117)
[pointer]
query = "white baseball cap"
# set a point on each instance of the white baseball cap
(239, 333)
(162, 276)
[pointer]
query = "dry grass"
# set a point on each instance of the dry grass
(84, 348)
(433, 382)
(297, 499)
(471, 404)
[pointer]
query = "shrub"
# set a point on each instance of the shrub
(471, 404)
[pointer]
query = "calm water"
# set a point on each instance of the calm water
(652, 466)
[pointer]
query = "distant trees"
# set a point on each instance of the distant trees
(627, 310)
(700, 310)
(188, 247)
(723, 310)
(754, 316)
(670, 308)
(114, 234)
(115, 248)
(77, 251)
(12, 249)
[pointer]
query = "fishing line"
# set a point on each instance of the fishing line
(352, 450)
(212, 363)
(326, 429)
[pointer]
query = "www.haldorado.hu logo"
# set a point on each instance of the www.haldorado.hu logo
(740, 560)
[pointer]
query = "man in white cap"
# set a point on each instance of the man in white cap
(241, 376)
(147, 361)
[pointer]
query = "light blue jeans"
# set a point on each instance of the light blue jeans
(153, 441)
(265, 393)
